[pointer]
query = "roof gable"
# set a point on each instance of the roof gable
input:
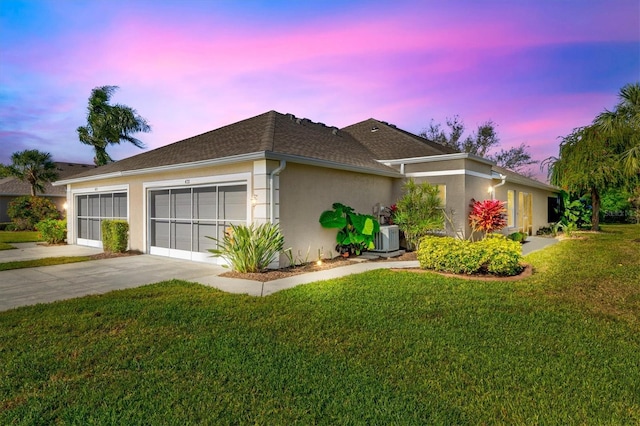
(387, 142)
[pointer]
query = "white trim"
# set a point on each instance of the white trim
(251, 156)
(89, 243)
(72, 234)
(196, 181)
(433, 158)
(101, 189)
(243, 178)
(331, 164)
(451, 173)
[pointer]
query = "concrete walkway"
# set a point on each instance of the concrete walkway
(28, 286)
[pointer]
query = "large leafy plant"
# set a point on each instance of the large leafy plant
(487, 216)
(356, 231)
(249, 248)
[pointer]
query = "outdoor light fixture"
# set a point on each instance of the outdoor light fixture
(254, 199)
(64, 206)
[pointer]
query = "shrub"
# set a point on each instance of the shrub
(487, 216)
(418, 212)
(356, 231)
(519, 237)
(494, 254)
(26, 211)
(249, 248)
(501, 256)
(115, 237)
(52, 231)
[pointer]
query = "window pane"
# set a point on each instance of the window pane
(94, 229)
(181, 235)
(204, 203)
(160, 233)
(160, 203)
(200, 232)
(94, 206)
(232, 202)
(106, 205)
(83, 228)
(181, 203)
(82, 204)
(120, 205)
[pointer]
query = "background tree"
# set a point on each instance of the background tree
(109, 124)
(603, 155)
(481, 143)
(588, 163)
(34, 167)
(623, 125)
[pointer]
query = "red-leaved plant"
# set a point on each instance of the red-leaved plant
(487, 216)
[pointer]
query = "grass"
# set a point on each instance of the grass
(7, 237)
(382, 347)
(47, 261)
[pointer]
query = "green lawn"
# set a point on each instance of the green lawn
(7, 237)
(562, 347)
(46, 261)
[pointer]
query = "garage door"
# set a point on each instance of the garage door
(181, 219)
(92, 209)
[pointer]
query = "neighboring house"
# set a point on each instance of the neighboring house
(12, 187)
(280, 168)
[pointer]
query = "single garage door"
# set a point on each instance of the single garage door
(92, 209)
(181, 219)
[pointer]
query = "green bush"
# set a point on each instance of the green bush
(495, 255)
(249, 248)
(519, 237)
(25, 212)
(501, 256)
(115, 237)
(4, 226)
(52, 231)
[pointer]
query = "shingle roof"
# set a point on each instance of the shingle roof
(387, 142)
(15, 187)
(269, 133)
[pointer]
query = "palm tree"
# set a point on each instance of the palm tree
(109, 124)
(623, 124)
(34, 167)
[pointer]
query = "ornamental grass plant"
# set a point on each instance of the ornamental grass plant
(249, 248)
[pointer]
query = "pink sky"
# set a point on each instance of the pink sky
(538, 69)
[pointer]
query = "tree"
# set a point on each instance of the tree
(589, 162)
(479, 143)
(109, 124)
(623, 124)
(34, 167)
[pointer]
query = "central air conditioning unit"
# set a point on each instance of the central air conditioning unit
(388, 239)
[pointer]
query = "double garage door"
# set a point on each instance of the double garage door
(181, 219)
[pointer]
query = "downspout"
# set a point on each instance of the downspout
(493, 191)
(272, 175)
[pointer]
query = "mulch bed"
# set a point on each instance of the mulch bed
(277, 274)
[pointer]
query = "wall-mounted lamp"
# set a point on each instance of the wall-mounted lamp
(254, 199)
(64, 206)
(490, 189)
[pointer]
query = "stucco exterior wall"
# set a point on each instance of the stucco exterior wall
(307, 191)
